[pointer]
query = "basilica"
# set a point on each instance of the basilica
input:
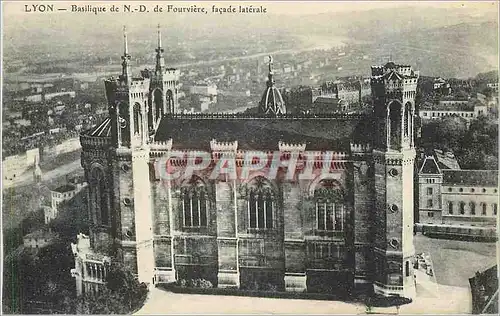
(348, 229)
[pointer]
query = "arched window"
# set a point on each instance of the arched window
(330, 206)
(483, 205)
(450, 207)
(99, 196)
(472, 206)
(462, 208)
(170, 101)
(158, 102)
(407, 121)
(194, 204)
(150, 115)
(260, 204)
(137, 119)
(395, 125)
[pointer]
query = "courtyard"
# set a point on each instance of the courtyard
(454, 262)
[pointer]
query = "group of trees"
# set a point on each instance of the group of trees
(40, 281)
(475, 146)
(123, 295)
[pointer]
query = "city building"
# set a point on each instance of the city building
(39, 239)
(90, 267)
(467, 109)
(62, 194)
(348, 91)
(467, 198)
(346, 229)
(207, 94)
(493, 86)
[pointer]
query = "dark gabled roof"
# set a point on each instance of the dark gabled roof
(334, 132)
(429, 166)
(390, 75)
(487, 178)
(101, 130)
(65, 188)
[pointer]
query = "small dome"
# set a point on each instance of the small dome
(272, 101)
(390, 65)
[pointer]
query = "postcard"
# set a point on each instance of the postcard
(256, 157)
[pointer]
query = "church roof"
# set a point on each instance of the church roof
(101, 130)
(429, 166)
(393, 75)
(65, 188)
(334, 132)
(487, 178)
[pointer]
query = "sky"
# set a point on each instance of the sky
(16, 8)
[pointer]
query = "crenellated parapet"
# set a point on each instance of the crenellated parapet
(161, 145)
(217, 146)
(97, 142)
(291, 147)
(360, 148)
(284, 117)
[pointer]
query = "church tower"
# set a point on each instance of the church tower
(271, 102)
(128, 170)
(393, 92)
(164, 88)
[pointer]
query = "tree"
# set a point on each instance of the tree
(72, 217)
(123, 294)
(446, 133)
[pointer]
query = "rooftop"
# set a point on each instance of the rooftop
(488, 178)
(429, 166)
(319, 132)
(41, 234)
(65, 188)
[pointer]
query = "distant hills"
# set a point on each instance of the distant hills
(457, 42)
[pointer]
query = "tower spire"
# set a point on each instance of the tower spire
(159, 36)
(125, 57)
(160, 62)
(125, 44)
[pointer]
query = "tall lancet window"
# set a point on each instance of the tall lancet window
(260, 204)
(194, 204)
(158, 103)
(330, 206)
(408, 119)
(170, 101)
(395, 125)
(137, 119)
(99, 196)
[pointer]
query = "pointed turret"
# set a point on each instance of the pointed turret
(125, 58)
(160, 61)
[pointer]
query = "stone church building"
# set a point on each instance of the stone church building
(347, 229)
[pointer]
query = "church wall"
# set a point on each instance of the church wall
(225, 209)
(363, 208)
